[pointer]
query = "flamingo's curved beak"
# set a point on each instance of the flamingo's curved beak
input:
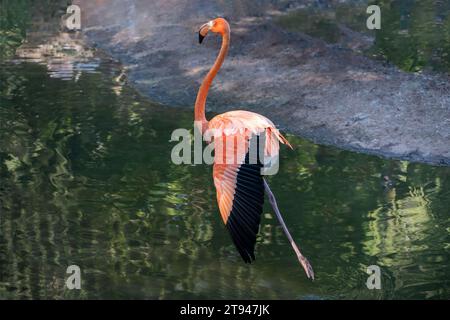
(204, 31)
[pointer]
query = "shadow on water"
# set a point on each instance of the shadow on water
(86, 179)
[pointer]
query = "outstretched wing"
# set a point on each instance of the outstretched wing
(240, 196)
(239, 184)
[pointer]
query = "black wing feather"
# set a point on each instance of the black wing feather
(245, 217)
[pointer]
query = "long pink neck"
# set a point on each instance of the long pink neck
(200, 102)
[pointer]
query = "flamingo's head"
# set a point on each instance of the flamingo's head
(219, 25)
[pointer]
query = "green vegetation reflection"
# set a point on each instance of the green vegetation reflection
(414, 34)
(86, 179)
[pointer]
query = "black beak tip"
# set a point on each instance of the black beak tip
(200, 38)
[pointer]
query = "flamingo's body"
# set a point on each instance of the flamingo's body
(239, 183)
(240, 187)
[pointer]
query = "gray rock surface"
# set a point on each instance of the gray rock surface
(327, 93)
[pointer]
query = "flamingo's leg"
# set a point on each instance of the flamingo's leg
(301, 258)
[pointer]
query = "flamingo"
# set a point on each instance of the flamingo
(240, 184)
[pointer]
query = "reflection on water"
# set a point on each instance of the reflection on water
(64, 55)
(86, 179)
(29, 30)
(414, 34)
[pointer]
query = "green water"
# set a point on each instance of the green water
(414, 34)
(86, 179)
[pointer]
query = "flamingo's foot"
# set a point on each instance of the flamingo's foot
(307, 267)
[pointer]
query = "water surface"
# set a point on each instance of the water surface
(86, 179)
(414, 34)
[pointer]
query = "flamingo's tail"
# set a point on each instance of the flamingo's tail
(280, 137)
(284, 140)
